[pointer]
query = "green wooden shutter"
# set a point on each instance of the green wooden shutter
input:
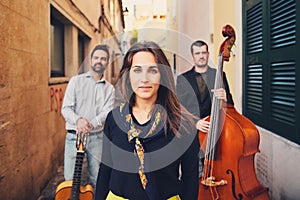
(254, 78)
(271, 55)
(283, 63)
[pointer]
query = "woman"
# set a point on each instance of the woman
(150, 148)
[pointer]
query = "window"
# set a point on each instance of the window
(67, 48)
(81, 54)
(270, 89)
(57, 48)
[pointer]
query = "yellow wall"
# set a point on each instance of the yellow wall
(223, 17)
(229, 12)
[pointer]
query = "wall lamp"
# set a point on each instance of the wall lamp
(125, 11)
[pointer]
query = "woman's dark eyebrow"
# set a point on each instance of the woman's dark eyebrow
(136, 66)
(153, 66)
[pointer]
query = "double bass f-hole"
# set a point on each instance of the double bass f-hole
(240, 196)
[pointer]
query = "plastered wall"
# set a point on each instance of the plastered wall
(32, 129)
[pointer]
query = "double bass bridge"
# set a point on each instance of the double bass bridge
(211, 182)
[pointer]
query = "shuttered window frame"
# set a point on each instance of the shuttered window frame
(271, 65)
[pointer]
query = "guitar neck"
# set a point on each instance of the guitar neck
(77, 176)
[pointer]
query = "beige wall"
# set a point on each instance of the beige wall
(204, 20)
(31, 127)
(194, 23)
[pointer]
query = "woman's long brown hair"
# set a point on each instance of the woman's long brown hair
(175, 115)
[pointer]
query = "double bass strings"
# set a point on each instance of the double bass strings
(215, 125)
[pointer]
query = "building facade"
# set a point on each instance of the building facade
(43, 44)
(262, 71)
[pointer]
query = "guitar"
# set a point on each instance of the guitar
(72, 189)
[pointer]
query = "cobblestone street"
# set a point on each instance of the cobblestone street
(49, 192)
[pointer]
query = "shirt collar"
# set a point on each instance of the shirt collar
(89, 75)
(197, 73)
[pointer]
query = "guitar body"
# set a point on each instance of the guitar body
(64, 189)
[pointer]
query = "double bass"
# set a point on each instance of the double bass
(229, 146)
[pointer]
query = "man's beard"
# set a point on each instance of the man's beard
(201, 65)
(98, 71)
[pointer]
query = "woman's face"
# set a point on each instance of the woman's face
(144, 76)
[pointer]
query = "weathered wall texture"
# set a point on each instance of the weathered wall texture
(32, 131)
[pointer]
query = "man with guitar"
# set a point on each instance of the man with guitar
(87, 101)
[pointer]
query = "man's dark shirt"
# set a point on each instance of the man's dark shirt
(189, 94)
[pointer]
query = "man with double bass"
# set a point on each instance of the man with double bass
(228, 165)
(195, 88)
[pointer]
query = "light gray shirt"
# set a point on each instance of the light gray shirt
(87, 98)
